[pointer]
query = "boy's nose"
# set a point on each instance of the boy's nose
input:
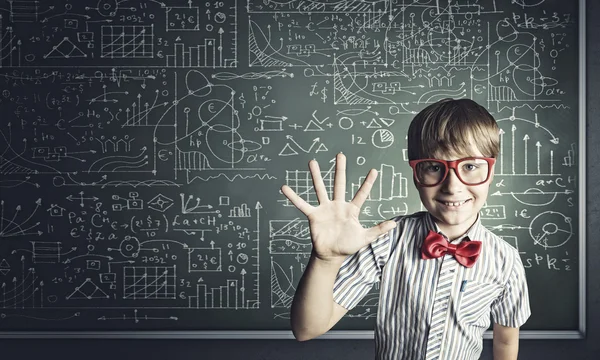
(452, 183)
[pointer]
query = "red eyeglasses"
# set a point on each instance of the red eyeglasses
(470, 170)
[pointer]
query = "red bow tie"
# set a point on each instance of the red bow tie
(435, 246)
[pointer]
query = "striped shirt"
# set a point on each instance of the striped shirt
(434, 309)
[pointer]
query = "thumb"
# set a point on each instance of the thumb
(380, 229)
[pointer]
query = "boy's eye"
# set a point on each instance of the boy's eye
(432, 167)
(470, 167)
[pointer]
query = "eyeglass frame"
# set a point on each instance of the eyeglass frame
(452, 164)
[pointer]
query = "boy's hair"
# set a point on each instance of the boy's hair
(452, 126)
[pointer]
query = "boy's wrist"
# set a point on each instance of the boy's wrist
(333, 262)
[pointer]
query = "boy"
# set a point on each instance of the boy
(442, 273)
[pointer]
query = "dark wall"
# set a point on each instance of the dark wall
(589, 348)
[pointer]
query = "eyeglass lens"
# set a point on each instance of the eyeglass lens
(472, 171)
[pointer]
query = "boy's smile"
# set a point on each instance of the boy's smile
(454, 205)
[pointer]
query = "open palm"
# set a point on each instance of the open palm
(334, 226)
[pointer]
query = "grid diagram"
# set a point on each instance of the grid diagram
(141, 282)
(127, 41)
(301, 182)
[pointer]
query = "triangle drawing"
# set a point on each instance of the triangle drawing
(373, 124)
(65, 50)
(312, 126)
(4, 267)
(88, 290)
(287, 151)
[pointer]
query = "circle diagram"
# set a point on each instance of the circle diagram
(551, 229)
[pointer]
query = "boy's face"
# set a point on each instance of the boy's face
(455, 220)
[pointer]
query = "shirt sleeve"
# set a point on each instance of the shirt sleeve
(511, 308)
(360, 271)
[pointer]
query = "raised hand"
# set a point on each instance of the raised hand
(334, 226)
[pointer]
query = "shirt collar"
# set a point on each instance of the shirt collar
(468, 236)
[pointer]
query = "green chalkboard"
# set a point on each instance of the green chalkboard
(143, 145)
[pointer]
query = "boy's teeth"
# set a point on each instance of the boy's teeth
(455, 203)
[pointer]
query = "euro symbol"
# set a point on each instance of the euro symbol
(162, 155)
